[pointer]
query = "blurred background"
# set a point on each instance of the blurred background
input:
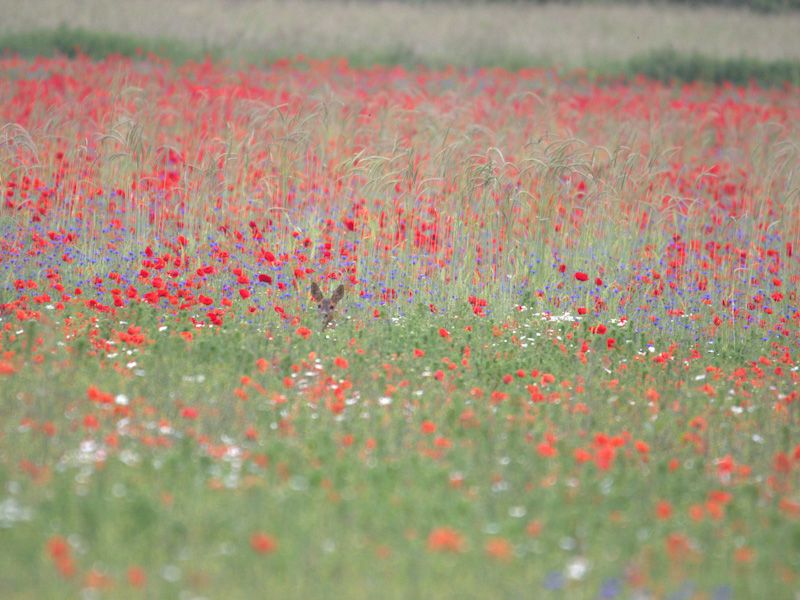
(684, 39)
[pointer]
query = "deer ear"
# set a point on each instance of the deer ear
(316, 294)
(338, 294)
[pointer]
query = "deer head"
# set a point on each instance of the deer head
(325, 305)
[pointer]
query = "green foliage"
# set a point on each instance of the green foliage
(69, 41)
(670, 65)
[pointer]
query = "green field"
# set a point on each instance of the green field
(566, 360)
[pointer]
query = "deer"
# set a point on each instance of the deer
(325, 305)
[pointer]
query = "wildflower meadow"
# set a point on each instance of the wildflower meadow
(565, 364)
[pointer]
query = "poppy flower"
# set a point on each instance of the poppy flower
(263, 543)
(499, 548)
(663, 510)
(446, 539)
(136, 576)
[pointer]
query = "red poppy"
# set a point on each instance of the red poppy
(663, 510)
(446, 539)
(263, 543)
(499, 549)
(136, 577)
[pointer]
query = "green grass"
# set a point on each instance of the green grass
(172, 508)
(69, 42)
(670, 65)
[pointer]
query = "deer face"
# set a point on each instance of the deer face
(325, 305)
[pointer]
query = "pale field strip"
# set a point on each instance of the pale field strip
(575, 35)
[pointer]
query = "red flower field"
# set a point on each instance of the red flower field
(565, 364)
